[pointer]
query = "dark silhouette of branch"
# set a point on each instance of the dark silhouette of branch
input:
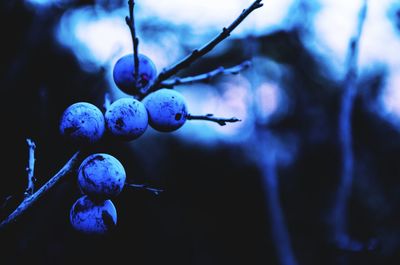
(30, 169)
(130, 21)
(70, 166)
(210, 117)
(279, 229)
(206, 77)
(264, 147)
(145, 187)
(197, 53)
(346, 141)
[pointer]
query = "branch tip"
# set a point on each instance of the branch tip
(198, 53)
(30, 169)
(211, 117)
(206, 77)
(155, 191)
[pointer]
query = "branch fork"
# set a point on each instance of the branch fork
(198, 53)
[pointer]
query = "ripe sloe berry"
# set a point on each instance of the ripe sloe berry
(166, 109)
(126, 118)
(101, 175)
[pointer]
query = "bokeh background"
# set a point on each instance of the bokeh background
(261, 191)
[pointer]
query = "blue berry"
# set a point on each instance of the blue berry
(93, 217)
(126, 118)
(101, 175)
(167, 110)
(82, 123)
(124, 77)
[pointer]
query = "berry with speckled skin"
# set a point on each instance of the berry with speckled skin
(82, 123)
(93, 217)
(166, 109)
(124, 77)
(101, 175)
(126, 118)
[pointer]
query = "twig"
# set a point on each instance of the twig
(197, 53)
(146, 187)
(345, 132)
(30, 169)
(210, 117)
(130, 21)
(28, 201)
(206, 76)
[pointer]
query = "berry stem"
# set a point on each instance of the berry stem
(130, 21)
(206, 76)
(197, 53)
(28, 201)
(30, 169)
(210, 117)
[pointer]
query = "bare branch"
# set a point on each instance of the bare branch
(146, 187)
(206, 77)
(210, 117)
(197, 53)
(130, 21)
(28, 201)
(30, 169)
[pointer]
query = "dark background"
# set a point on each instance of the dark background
(213, 209)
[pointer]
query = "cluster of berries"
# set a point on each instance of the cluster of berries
(127, 118)
(101, 176)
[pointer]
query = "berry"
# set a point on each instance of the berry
(126, 118)
(93, 217)
(124, 74)
(167, 110)
(83, 123)
(101, 175)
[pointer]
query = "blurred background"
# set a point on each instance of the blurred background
(299, 180)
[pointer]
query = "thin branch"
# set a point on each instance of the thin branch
(197, 53)
(146, 187)
(30, 169)
(130, 21)
(210, 117)
(28, 201)
(345, 133)
(206, 77)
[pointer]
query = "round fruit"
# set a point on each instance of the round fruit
(101, 175)
(126, 118)
(166, 108)
(82, 122)
(124, 74)
(93, 217)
